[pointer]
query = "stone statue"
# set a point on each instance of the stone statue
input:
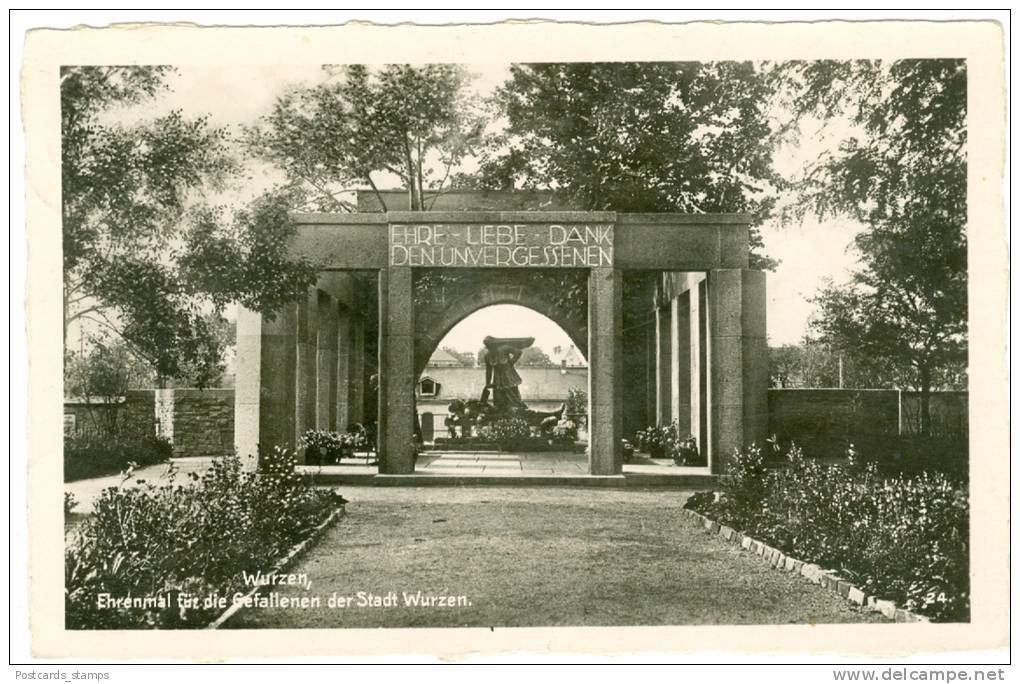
(501, 377)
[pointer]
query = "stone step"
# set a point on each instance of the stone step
(520, 479)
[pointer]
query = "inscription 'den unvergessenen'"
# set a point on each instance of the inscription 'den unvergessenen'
(551, 245)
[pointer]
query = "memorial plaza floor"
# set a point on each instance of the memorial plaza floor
(567, 468)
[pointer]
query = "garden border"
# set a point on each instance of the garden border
(810, 571)
(283, 564)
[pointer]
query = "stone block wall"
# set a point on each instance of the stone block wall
(203, 422)
(824, 421)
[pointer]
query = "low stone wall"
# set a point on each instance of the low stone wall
(823, 422)
(201, 423)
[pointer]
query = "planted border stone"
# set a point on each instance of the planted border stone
(809, 571)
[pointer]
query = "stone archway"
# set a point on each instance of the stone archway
(434, 319)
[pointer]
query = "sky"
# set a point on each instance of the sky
(808, 253)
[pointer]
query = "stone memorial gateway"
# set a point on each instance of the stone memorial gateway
(699, 357)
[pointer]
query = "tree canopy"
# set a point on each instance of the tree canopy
(414, 122)
(903, 174)
(641, 137)
(145, 256)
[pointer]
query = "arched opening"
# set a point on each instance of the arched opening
(551, 373)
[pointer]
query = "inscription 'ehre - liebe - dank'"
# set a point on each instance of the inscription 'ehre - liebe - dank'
(553, 245)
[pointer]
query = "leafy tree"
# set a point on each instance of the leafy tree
(534, 356)
(813, 364)
(143, 256)
(413, 122)
(903, 174)
(641, 137)
(102, 373)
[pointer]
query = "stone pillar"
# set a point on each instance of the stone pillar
(682, 364)
(396, 371)
(326, 363)
(344, 353)
(738, 358)
(675, 333)
(278, 376)
(698, 362)
(663, 366)
(605, 306)
(307, 337)
(247, 385)
(356, 372)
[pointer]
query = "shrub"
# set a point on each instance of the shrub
(93, 455)
(577, 402)
(507, 432)
(904, 539)
(652, 440)
(324, 446)
(159, 542)
(669, 441)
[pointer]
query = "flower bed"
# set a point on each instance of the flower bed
(154, 544)
(901, 539)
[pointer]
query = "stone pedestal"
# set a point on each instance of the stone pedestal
(605, 297)
(396, 371)
(738, 360)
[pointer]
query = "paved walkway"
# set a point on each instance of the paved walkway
(537, 557)
(87, 491)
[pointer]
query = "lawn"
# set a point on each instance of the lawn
(538, 557)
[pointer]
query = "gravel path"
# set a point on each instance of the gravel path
(537, 557)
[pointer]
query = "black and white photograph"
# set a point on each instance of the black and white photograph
(498, 340)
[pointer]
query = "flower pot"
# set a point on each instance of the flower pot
(313, 456)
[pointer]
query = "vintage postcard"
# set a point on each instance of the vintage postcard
(531, 337)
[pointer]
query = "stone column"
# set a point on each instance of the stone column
(697, 360)
(247, 385)
(605, 306)
(278, 386)
(663, 366)
(675, 333)
(396, 371)
(307, 337)
(341, 400)
(682, 364)
(356, 372)
(326, 364)
(738, 358)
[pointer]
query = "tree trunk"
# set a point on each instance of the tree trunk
(412, 196)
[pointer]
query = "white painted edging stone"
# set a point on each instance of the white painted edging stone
(809, 571)
(292, 556)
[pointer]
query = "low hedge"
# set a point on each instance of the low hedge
(97, 455)
(198, 538)
(900, 538)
